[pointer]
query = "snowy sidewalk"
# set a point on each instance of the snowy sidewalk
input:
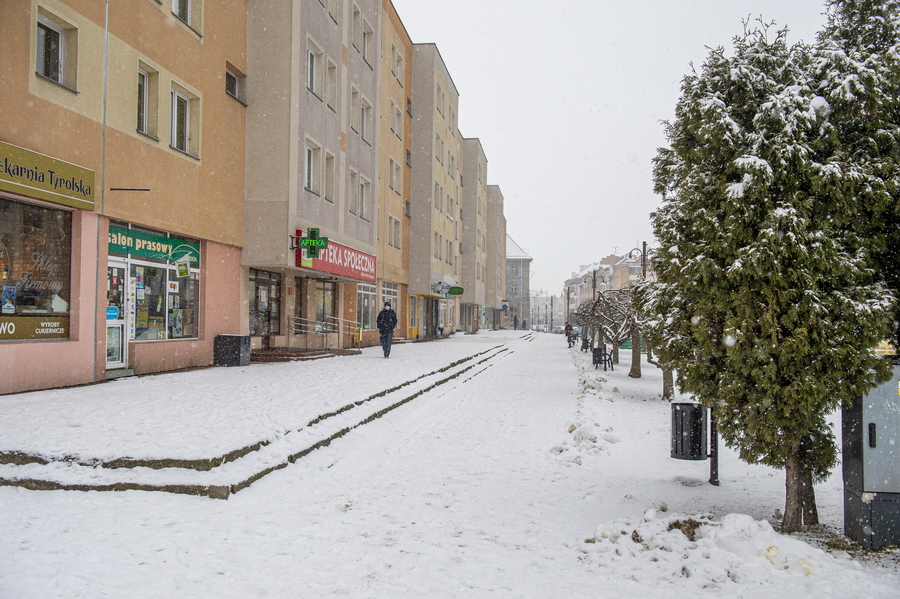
(215, 431)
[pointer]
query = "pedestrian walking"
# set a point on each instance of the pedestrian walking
(569, 334)
(516, 323)
(387, 320)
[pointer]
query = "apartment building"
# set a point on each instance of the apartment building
(435, 193)
(312, 173)
(395, 161)
(121, 186)
(473, 238)
(518, 283)
(494, 315)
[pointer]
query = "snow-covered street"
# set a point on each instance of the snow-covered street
(506, 466)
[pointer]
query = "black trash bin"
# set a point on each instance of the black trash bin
(688, 431)
(231, 350)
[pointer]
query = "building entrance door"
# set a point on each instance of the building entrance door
(116, 316)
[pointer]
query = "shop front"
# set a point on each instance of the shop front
(152, 291)
(47, 271)
(335, 295)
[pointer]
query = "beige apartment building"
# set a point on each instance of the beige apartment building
(121, 186)
(435, 193)
(312, 173)
(395, 158)
(496, 304)
(473, 237)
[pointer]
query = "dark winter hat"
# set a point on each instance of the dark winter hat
(387, 304)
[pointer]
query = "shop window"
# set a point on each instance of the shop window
(35, 267)
(366, 306)
(165, 305)
(163, 284)
(326, 294)
(265, 302)
(390, 292)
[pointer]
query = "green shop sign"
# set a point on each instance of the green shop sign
(42, 177)
(148, 245)
(456, 291)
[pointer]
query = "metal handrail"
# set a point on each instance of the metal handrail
(331, 324)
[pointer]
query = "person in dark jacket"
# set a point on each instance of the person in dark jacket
(387, 321)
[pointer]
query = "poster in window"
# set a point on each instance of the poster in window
(114, 344)
(8, 300)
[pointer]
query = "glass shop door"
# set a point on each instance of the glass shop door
(116, 332)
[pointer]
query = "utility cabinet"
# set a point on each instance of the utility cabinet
(871, 466)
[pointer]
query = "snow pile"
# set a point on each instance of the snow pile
(699, 552)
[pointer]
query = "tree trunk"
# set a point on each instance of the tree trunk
(615, 353)
(810, 512)
(668, 384)
(635, 372)
(793, 504)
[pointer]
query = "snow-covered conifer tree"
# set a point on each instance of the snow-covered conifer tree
(766, 304)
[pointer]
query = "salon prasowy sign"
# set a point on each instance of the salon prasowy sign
(37, 176)
(148, 245)
(340, 260)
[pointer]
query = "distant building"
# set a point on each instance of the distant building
(518, 267)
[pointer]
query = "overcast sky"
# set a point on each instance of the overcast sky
(567, 99)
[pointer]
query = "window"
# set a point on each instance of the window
(182, 9)
(408, 158)
(189, 12)
(354, 109)
(437, 245)
(439, 99)
(397, 176)
(393, 232)
(57, 49)
(438, 197)
(313, 167)
(143, 100)
(334, 10)
(449, 252)
(367, 42)
(265, 302)
(331, 95)
(329, 177)
(326, 293)
(147, 109)
(391, 182)
(181, 121)
(357, 28)
(438, 147)
(185, 120)
(396, 120)
(390, 292)
(365, 120)
(234, 84)
(35, 266)
(314, 71)
(364, 198)
(398, 71)
(354, 192)
(366, 306)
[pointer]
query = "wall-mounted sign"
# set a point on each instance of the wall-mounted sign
(311, 242)
(38, 176)
(112, 313)
(148, 245)
(34, 327)
(456, 291)
(338, 259)
(441, 287)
